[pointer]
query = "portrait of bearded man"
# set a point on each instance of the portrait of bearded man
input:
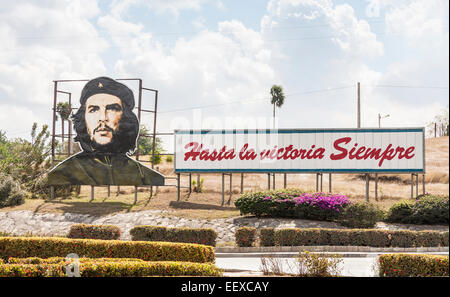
(107, 131)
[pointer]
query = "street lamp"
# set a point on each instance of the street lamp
(379, 119)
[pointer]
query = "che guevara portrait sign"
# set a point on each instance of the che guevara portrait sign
(107, 131)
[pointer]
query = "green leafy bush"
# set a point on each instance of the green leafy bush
(407, 265)
(428, 209)
(360, 215)
(10, 192)
(255, 203)
(267, 236)
(205, 236)
(355, 237)
(46, 247)
(292, 203)
(106, 268)
(245, 236)
(94, 231)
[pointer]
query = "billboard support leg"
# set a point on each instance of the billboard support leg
(317, 182)
(231, 189)
(242, 183)
(135, 195)
(118, 191)
(109, 191)
(223, 188)
(198, 181)
(321, 182)
(190, 184)
(423, 184)
(285, 181)
(329, 183)
(367, 187)
(273, 182)
(268, 181)
(178, 187)
(376, 186)
(92, 194)
(412, 186)
(417, 185)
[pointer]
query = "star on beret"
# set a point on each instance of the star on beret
(100, 85)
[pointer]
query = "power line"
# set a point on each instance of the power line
(409, 87)
(255, 100)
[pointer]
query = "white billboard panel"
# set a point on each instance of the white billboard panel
(385, 150)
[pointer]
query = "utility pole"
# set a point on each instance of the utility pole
(379, 119)
(359, 107)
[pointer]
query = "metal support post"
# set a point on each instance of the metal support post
(329, 183)
(285, 181)
(242, 183)
(178, 187)
(223, 188)
(92, 194)
(423, 184)
(376, 186)
(367, 187)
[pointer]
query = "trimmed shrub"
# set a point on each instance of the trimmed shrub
(245, 236)
(292, 204)
(355, 237)
(360, 215)
(94, 231)
(57, 260)
(400, 211)
(110, 268)
(407, 265)
(445, 238)
(46, 247)
(267, 237)
(428, 209)
(11, 193)
(205, 236)
(256, 203)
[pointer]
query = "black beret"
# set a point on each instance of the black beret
(106, 85)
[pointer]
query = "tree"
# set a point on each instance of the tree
(64, 110)
(441, 121)
(145, 144)
(277, 99)
(24, 160)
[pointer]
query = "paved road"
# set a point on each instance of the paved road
(362, 265)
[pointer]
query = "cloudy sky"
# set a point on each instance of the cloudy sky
(214, 61)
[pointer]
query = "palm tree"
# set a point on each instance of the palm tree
(64, 110)
(277, 99)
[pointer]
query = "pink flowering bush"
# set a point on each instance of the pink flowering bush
(294, 204)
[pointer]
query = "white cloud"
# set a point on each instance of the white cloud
(174, 7)
(41, 42)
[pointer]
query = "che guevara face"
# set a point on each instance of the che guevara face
(102, 115)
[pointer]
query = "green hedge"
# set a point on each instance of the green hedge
(94, 231)
(417, 265)
(267, 236)
(255, 203)
(106, 268)
(46, 247)
(205, 236)
(355, 237)
(360, 215)
(245, 236)
(427, 209)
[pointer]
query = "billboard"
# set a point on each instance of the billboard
(107, 131)
(385, 150)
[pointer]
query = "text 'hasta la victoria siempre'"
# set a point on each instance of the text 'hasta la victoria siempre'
(388, 152)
